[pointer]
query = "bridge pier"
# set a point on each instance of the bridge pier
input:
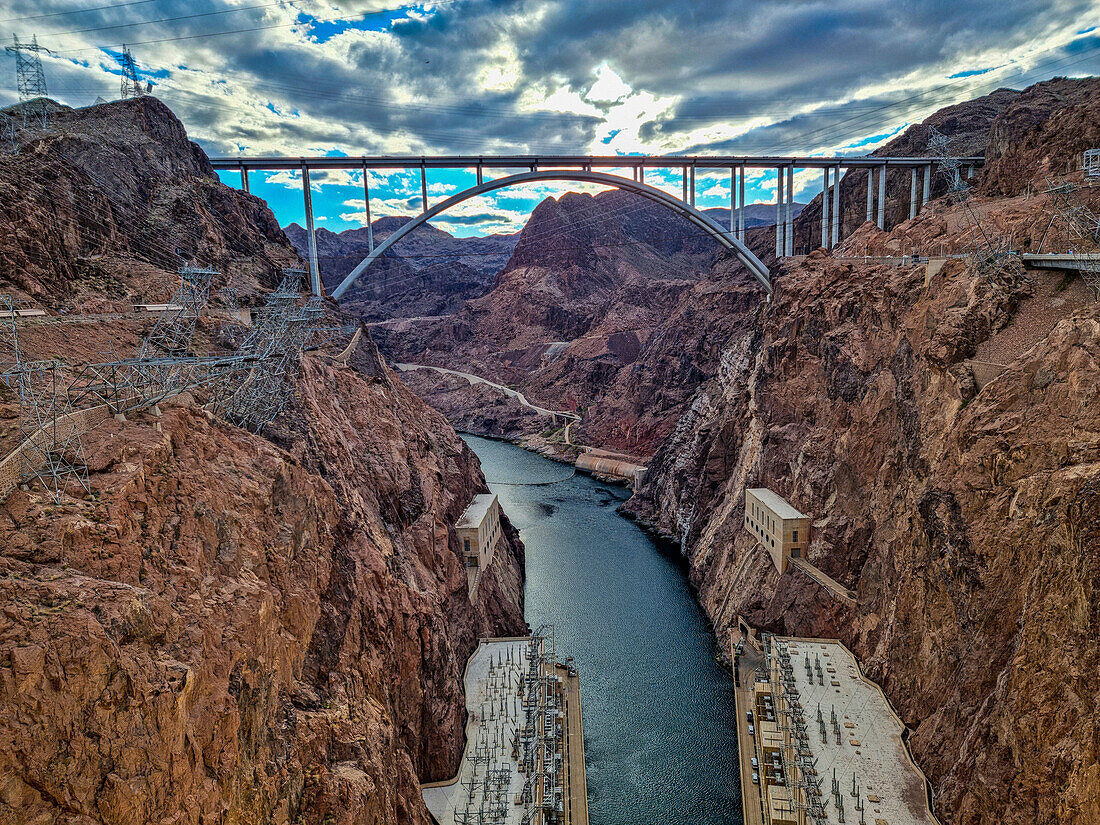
(366, 206)
(779, 223)
(733, 201)
(882, 197)
(314, 269)
(870, 192)
(836, 207)
(825, 207)
(244, 178)
(423, 189)
(789, 230)
(927, 184)
(913, 194)
(741, 214)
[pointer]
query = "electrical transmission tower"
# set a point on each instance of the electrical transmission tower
(30, 79)
(988, 252)
(131, 86)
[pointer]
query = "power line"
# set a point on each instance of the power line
(77, 11)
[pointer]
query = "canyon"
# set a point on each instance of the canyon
(273, 627)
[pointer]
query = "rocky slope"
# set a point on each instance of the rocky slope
(942, 430)
(430, 272)
(96, 206)
(231, 627)
(1004, 127)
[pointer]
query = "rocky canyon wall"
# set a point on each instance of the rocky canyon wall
(962, 509)
(226, 627)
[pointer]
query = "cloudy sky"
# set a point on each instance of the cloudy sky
(545, 76)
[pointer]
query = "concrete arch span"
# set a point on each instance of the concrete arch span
(699, 219)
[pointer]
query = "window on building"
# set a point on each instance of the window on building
(794, 535)
(795, 553)
(466, 545)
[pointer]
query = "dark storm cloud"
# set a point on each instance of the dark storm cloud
(462, 77)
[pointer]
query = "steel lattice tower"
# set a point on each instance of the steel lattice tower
(989, 253)
(30, 79)
(131, 86)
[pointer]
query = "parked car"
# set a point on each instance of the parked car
(752, 731)
(755, 764)
(755, 778)
(749, 714)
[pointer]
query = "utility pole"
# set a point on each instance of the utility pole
(29, 77)
(131, 86)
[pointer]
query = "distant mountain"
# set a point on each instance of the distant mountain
(429, 272)
(756, 214)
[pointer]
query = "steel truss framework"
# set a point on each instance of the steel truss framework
(51, 453)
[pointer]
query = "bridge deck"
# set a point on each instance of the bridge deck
(271, 162)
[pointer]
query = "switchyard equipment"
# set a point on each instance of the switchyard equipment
(1069, 209)
(857, 735)
(514, 770)
(1090, 163)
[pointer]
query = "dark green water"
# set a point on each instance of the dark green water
(659, 727)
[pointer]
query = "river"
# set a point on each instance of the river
(659, 726)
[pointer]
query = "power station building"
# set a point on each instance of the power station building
(782, 530)
(478, 530)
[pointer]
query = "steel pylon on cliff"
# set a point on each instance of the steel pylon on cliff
(279, 334)
(29, 78)
(131, 86)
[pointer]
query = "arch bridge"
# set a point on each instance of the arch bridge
(582, 168)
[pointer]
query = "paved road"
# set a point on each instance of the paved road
(576, 797)
(477, 379)
(750, 793)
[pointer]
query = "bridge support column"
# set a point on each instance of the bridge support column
(825, 207)
(870, 192)
(641, 174)
(314, 269)
(693, 186)
(913, 194)
(684, 179)
(741, 200)
(479, 174)
(244, 178)
(733, 201)
(882, 197)
(789, 232)
(423, 189)
(835, 213)
(779, 212)
(366, 206)
(927, 184)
